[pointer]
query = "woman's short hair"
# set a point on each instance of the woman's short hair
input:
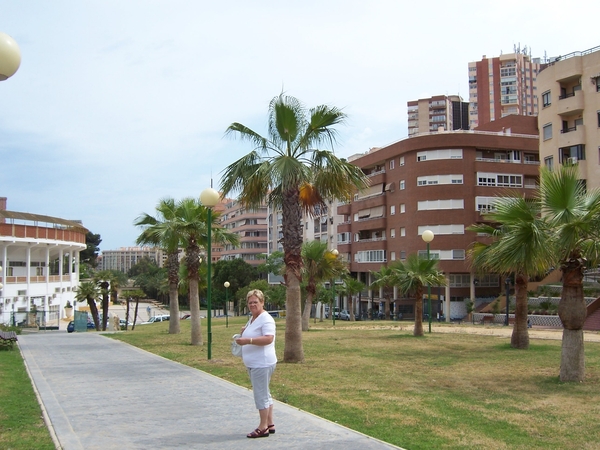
(256, 293)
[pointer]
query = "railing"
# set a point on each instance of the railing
(369, 218)
(372, 174)
(568, 130)
(573, 54)
(372, 239)
(513, 161)
(570, 94)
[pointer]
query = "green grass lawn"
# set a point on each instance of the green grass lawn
(21, 423)
(441, 391)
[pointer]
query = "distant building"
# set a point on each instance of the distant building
(502, 86)
(251, 227)
(125, 258)
(569, 117)
(39, 261)
(438, 113)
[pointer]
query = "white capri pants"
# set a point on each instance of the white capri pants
(260, 377)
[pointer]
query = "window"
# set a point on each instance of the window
(549, 162)
(428, 205)
(459, 280)
(501, 180)
(392, 210)
(458, 254)
(402, 160)
(370, 256)
(402, 254)
(392, 232)
(597, 82)
(430, 155)
(442, 229)
(440, 179)
(546, 99)
(393, 256)
(547, 133)
(402, 185)
(571, 154)
(598, 112)
(392, 163)
(402, 208)
(402, 231)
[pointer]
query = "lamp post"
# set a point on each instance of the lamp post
(507, 283)
(428, 236)
(226, 284)
(335, 254)
(10, 56)
(209, 198)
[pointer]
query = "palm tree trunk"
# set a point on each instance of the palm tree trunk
(307, 310)
(572, 312)
(94, 311)
(419, 313)
(135, 312)
(293, 351)
(387, 308)
(174, 326)
(352, 308)
(195, 313)
(127, 314)
(520, 334)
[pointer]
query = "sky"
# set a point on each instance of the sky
(120, 103)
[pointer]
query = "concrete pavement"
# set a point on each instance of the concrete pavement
(99, 393)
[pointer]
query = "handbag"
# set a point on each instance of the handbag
(236, 349)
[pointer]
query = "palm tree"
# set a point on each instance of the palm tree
(574, 216)
(384, 278)
(411, 276)
(193, 231)
(319, 264)
(291, 173)
(163, 231)
(520, 245)
(89, 292)
(352, 286)
(103, 279)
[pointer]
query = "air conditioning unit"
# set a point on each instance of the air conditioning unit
(572, 160)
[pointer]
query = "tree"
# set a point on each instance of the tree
(574, 217)
(411, 276)
(89, 292)
(517, 243)
(289, 172)
(89, 256)
(318, 264)
(193, 231)
(352, 286)
(162, 231)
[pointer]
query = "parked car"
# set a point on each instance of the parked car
(344, 314)
(336, 313)
(159, 318)
(71, 326)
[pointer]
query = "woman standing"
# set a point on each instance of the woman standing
(258, 354)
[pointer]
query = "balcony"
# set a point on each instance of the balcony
(571, 136)
(569, 105)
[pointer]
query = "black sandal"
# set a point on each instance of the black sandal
(271, 428)
(258, 433)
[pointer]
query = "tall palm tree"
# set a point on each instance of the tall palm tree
(193, 231)
(289, 171)
(384, 278)
(88, 291)
(319, 264)
(102, 278)
(411, 276)
(574, 215)
(519, 243)
(352, 286)
(162, 230)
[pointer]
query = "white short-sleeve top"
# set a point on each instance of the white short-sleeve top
(255, 356)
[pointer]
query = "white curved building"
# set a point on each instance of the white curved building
(32, 248)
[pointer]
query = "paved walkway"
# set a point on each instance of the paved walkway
(99, 393)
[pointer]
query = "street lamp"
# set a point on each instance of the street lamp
(335, 254)
(507, 283)
(10, 56)
(226, 284)
(428, 237)
(209, 198)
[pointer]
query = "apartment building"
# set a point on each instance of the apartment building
(251, 227)
(438, 113)
(569, 116)
(440, 182)
(503, 85)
